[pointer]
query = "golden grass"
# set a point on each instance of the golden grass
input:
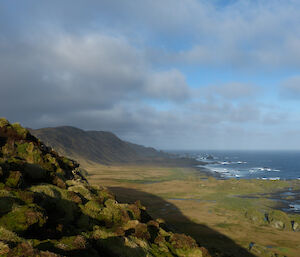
(211, 207)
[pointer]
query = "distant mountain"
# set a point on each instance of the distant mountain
(98, 146)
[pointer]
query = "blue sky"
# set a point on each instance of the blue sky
(170, 74)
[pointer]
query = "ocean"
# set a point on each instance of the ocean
(266, 165)
(272, 165)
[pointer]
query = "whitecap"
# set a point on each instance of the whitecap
(261, 169)
(241, 162)
(276, 178)
(295, 207)
(225, 163)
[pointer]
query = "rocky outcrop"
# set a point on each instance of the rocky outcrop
(47, 208)
(274, 218)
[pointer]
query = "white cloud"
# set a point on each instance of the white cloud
(169, 84)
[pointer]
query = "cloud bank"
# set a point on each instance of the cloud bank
(171, 74)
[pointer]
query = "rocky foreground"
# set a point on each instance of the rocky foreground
(47, 208)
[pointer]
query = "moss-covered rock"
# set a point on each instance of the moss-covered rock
(20, 130)
(9, 236)
(25, 249)
(14, 179)
(113, 214)
(279, 220)
(263, 251)
(46, 198)
(256, 216)
(82, 190)
(4, 249)
(3, 122)
(22, 218)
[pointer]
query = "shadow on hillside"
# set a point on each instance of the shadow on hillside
(217, 244)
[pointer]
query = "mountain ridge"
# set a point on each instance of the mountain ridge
(103, 147)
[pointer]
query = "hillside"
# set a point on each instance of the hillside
(47, 208)
(98, 146)
(102, 147)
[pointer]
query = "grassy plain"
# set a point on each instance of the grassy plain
(219, 214)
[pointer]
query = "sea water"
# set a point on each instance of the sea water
(271, 165)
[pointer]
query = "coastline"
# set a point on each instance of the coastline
(287, 200)
(264, 165)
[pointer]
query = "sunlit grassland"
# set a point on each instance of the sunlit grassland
(188, 199)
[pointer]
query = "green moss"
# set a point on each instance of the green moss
(102, 233)
(6, 193)
(134, 211)
(14, 180)
(4, 249)
(182, 241)
(71, 243)
(74, 197)
(48, 165)
(183, 246)
(103, 195)
(22, 148)
(93, 209)
(118, 246)
(47, 189)
(9, 236)
(21, 218)
(141, 231)
(59, 181)
(20, 130)
(161, 251)
(58, 199)
(260, 250)
(25, 196)
(3, 122)
(113, 214)
(29, 152)
(82, 190)
(188, 252)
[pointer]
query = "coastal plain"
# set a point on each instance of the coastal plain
(228, 217)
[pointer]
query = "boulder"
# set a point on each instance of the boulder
(255, 216)
(279, 220)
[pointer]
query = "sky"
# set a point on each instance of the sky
(172, 74)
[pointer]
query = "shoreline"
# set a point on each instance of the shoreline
(287, 200)
(212, 173)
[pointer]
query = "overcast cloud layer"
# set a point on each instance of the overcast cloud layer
(170, 74)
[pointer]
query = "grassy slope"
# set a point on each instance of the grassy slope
(211, 211)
